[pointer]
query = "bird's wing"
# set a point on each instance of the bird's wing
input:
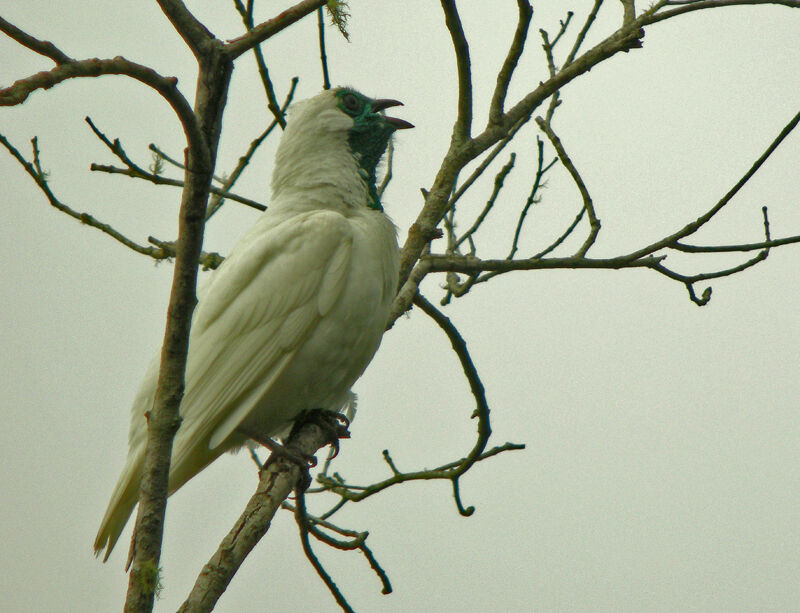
(258, 309)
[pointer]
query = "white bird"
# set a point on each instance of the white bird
(296, 312)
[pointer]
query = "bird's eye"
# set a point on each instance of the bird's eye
(350, 102)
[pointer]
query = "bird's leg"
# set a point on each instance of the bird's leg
(305, 462)
(332, 423)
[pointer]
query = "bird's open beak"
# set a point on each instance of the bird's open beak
(380, 105)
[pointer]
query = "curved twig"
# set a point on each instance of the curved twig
(463, 124)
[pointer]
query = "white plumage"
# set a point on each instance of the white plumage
(295, 313)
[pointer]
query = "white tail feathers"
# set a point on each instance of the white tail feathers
(124, 498)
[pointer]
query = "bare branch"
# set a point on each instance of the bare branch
(481, 168)
(462, 152)
(301, 518)
(475, 385)
(584, 31)
(564, 235)
(137, 173)
(277, 480)
(408, 290)
(463, 124)
(594, 222)
(731, 248)
(19, 91)
(262, 32)
(692, 227)
(163, 420)
(628, 11)
(472, 266)
(34, 169)
(195, 34)
(358, 542)
(357, 493)
(498, 185)
(323, 58)
(697, 5)
(42, 47)
(510, 63)
(541, 169)
(272, 102)
(161, 155)
(161, 251)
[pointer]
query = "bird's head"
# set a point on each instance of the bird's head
(338, 131)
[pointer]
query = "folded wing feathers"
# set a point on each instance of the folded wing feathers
(268, 296)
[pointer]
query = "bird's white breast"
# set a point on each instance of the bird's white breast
(340, 346)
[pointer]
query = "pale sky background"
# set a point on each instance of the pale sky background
(662, 469)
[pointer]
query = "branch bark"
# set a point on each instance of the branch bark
(277, 480)
(263, 31)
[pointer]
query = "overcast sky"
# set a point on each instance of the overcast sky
(662, 468)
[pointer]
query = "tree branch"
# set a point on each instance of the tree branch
(461, 152)
(594, 222)
(323, 58)
(301, 518)
(194, 34)
(541, 170)
(463, 124)
(697, 5)
(42, 47)
(628, 11)
(512, 58)
(262, 32)
(277, 480)
(217, 202)
(272, 102)
(19, 91)
(584, 31)
(692, 227)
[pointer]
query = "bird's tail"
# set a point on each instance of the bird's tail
(121, 505)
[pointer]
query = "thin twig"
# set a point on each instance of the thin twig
(479, 170)
(42, 47)
(554, 245)
(687, 7)
(692, 227)
(463, 124)
(594, 222)
(584, 31)
(218, 200)
(541, 169)
(246, 14)
(137, 173)
(323, 58)
(476, 387)
(510, 63)
(357, 493)
(498, 185)
(301, 518)
(267, 29)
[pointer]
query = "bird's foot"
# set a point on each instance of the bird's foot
(334, 426)
(333, 423)
(303, 461)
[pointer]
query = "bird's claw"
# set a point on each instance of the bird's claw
(303, 461)
(334, 424)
